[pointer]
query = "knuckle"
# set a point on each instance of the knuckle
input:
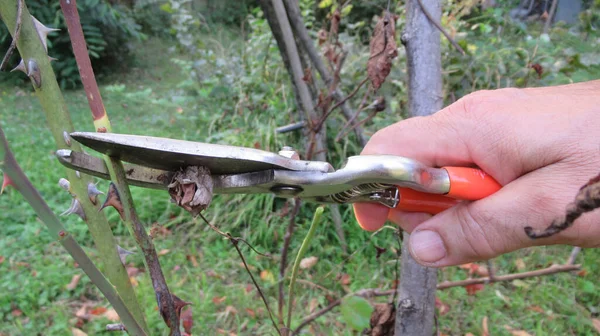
(482, 240)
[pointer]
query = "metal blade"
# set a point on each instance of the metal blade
(172, 155)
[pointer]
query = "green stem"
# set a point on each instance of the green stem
(57, 230)
(303, 248)
(59, 122)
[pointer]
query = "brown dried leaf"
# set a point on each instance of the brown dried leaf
(520, 264)
(474, 288)
(596, 324)
(313, 305)
(345, 279)
(443, 308)
(515, 332)
(484, 326)
(1, 259)
(78, 332)
(217, 299)
(98, 311)
(308, 262)
(187, 320)
(383, 319)
(383, 50)
(163, 252)
(251, 312)
(74, 281)
(111, 315)
(192, 189)
(193, 260)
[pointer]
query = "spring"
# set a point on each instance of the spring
(360, 190)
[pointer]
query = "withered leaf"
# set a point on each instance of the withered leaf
(192, 189)
(383, 319)
(383, 50)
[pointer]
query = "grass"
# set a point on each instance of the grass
(204, 269)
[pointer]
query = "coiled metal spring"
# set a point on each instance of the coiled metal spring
(359, 192)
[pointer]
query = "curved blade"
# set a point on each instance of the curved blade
(172, 155)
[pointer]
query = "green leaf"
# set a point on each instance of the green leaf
(356, 312)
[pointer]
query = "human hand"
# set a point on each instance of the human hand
(540, 144)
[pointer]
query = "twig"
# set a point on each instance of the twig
(509, 277)
(341, 102)
(573, 255)
(115, 327)
(234, 242)
(367, 119)
(16, 35)
(440, 28)
(491, 271)
(550, 15)
(284, 252)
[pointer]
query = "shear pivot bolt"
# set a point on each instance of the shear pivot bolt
(289, 153)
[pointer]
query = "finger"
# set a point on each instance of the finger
(408, 221)
(495, 225)
(370, 216)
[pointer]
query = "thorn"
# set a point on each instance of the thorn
(20, 67)
(75, 208)
(179, 305)
(78, 174)
(65, 184)
(93, 193)
(113, 199)
(67, 138)
(50, 59)
(5, 183)
(43, 31)
(34, 73)
(123, 253)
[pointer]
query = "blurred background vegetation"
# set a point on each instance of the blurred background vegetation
(209, 71)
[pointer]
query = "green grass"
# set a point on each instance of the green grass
(149, 100)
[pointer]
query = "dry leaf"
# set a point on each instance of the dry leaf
(469, 334)
(74, 281)
(111, 315)
(163, 252)
(267, 275)
(596, 324)
(313, 305)
(383, 319)
(187, 320)
(474, 288)
(443, 308)
(1, 259)
(192, 259)
(308, 262)
(582, 273)
(134, 281)
(98, 311)
(484, 326)
(520, 264)
(383, 50)
(536, 309)
(217, 299)
(230, 310)
(251, 312)
(77, 332)
(515, 332)
(345, 279)
(192, 189)
(16, 312)
(82, 312)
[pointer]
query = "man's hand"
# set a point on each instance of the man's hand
(540, 144)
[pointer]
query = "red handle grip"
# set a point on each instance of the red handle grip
(469, 184)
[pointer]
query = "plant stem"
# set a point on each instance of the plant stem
(60, 125)
(303, 248)
(28, 191)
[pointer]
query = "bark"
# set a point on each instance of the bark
(416, 293)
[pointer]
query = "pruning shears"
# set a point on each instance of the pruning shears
(394, 181)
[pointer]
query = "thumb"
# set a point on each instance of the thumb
(495, 225)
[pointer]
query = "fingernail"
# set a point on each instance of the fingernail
(427, 246)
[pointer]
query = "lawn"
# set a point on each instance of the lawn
(38, 294)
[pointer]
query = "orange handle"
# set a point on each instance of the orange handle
(465, 184)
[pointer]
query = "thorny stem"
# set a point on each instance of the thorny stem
(16, 35)
(341, 102)
(164, 298)
(57, 230)
(301, 252)
(284, 252)
(59, 122)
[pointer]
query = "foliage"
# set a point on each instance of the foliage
(356, 312)
(110, 31)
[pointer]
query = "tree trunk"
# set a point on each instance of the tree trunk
(416, 296)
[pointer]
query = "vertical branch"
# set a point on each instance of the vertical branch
(122, 195)
(31, 45)
(416, 299)
(10, 167)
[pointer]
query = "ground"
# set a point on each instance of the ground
(203, 268)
